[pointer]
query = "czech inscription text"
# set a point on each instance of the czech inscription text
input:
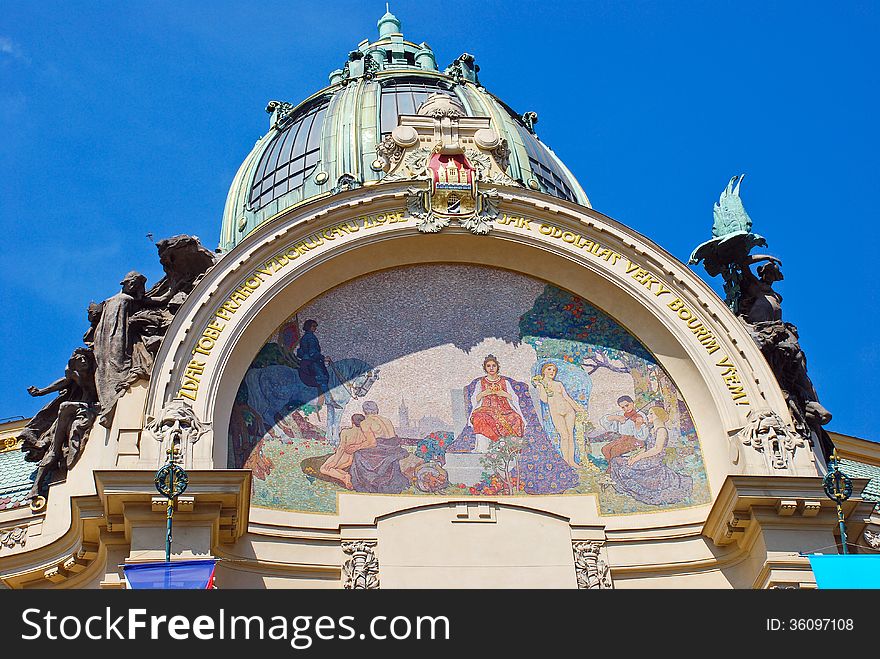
(224, 313)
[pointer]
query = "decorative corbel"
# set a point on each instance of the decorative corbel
(361, 570)
(591, 569)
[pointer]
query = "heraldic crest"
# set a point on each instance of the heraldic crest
(453, 154)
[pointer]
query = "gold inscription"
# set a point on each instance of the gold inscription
(224, 313)
(652, 282)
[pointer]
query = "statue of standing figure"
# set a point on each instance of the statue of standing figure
(126, 329)
(752, 298)
(120, 360)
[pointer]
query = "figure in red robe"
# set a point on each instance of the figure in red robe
(495, 417)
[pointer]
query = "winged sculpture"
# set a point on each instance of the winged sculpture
(729, 213)
(732, 237)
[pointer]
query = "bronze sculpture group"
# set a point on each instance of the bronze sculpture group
(752, 298)
(121, 343)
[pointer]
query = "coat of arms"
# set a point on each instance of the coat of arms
(438, 146)
(454, 185)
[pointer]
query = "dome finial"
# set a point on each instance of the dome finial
(388, 24)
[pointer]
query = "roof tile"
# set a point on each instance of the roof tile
(855, 469)
(16, 479)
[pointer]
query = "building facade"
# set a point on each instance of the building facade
(420, 358)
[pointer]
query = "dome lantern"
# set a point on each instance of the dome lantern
(389, 24)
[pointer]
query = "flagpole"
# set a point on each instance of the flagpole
(838, 488)
(171, 481)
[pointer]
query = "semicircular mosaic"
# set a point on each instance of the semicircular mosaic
(461, 380)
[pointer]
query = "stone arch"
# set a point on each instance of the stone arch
(282, 266)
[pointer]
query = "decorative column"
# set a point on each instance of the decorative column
(591, 569)
(361, 570)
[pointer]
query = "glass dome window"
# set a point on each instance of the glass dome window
(544, 167)
(404, 97)
(290, 159)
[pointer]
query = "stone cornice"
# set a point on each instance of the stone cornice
(221, 496)
(124, 498)
(263, 566)
(75, 556)
(747, 503)
(859, 450)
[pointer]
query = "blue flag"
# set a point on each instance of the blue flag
(176, 574)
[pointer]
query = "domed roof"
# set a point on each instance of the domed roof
(328, 143)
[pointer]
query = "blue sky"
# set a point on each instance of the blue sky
(123, 119)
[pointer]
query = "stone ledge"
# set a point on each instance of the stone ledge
(745, 502)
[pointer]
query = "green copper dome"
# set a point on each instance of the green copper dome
(328, 142)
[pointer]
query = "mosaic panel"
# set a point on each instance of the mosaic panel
(461, 380)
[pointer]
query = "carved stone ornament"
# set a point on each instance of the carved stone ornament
(483, 164)
(453, 192)
(281, 111)
(420, 205)
(591, 569)
(360, 65)
(361, 570)
(464, 69)
(389, 151)
(766, 433)
(346, 182)
(413, 166)
(481, 223)
(501, 153)
(14, 536)
(455, 155)
(872, 538)
(440, 106)
(176, 427)
(371, 66)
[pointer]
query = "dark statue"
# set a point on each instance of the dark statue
(120, 361)
(123, 338)
(758, 301)
(751, 297)
(128, 327)
(57, 434)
